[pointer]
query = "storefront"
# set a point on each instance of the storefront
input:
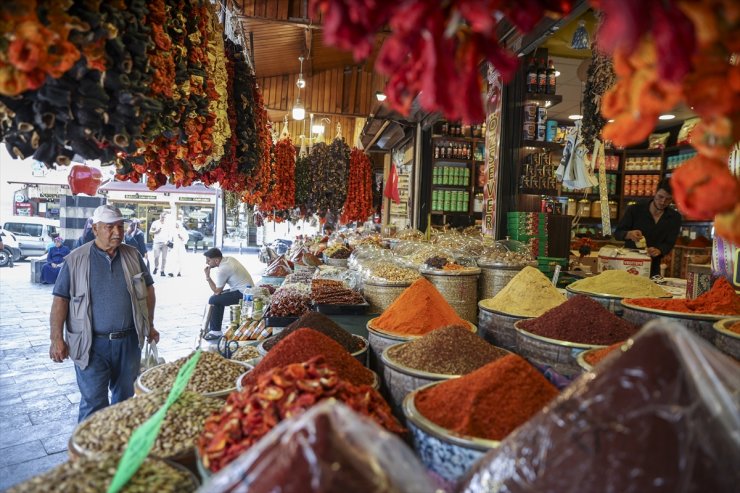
(196, 206)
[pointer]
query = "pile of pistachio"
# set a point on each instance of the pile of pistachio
(393, 273)
(213, 373)
(94, 476)
(109, 429)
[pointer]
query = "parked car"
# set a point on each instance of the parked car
(34, 234)
(10, 248)
(196, 238)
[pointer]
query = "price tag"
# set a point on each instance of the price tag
(143, 437)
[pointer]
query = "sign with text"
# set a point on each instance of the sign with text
(494, 100)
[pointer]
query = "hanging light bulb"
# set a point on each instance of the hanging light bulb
(301, 82)
(299, 112)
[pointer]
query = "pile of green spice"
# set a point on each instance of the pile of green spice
(319, 323)
(451, 350)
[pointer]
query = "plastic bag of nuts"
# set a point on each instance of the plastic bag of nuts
(109, 430)
(213, 374)
(94, 476)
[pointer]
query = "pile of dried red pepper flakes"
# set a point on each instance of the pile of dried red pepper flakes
(281, 394)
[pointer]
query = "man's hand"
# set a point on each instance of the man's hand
(153, 335)
(653, 252)
(634, 235)
(207, 270)
(59, 351)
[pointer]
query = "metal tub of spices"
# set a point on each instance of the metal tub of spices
(699, 323)
(559, 355)
(360, 355)
(727, 336)
(446, 453)
(443, 354)
(379, 340)
(610, 302)
(459, 288)
(498, 327)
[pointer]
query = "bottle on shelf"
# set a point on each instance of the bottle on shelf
(541, 77)
(247, 306)
(532, 76)
(551, 78)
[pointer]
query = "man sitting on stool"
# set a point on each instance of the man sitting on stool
(229, 271)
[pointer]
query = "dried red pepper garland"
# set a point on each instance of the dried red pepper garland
(433, 46)
(258, 183)
(281, 199)
(359, 203)
(280, 394)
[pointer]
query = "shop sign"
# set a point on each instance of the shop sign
(194, 199)
(494, 98)
(140, 196)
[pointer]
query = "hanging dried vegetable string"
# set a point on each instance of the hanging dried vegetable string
(304, 185)
(599, 80)
(258, 182)
(281, 198)
(684, 53)
(433, 45)
(359, 203)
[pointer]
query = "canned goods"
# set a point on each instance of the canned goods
(530, 131)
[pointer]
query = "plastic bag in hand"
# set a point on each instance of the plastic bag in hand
(328, 449)
(662, 416)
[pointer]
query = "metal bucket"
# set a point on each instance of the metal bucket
(699, 323)
(561, 356)
(498, 328)
(725, 340)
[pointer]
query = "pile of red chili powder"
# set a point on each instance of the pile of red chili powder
(580, 320)
(304, 344)
(595, 356)
(720, 300)
(490, 402)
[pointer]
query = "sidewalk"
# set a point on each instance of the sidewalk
(39, 398)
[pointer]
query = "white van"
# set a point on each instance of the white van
(34, 234)
(10, 248)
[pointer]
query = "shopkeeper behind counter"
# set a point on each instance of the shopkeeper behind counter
(652, 225)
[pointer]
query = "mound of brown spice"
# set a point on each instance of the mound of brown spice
(452, 350)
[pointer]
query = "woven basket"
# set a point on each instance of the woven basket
(460, 289)
(494, 277)
(380, 295)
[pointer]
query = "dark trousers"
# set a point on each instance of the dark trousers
(219, 301)
(114, 366)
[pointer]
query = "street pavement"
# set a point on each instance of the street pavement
(39, 398)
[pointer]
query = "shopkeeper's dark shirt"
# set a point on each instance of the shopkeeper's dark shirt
(661, 235)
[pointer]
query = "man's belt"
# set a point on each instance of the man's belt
(117, 335)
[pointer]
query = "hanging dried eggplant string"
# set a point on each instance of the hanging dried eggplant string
(600, 78)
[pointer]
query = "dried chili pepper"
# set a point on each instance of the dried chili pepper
(279, 394)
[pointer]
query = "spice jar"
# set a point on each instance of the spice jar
(596, 208)
(571, 207)
(584, 207)
(613, 209)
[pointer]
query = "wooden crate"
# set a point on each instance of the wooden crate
(682, 256)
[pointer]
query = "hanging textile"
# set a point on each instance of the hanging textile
(391, 186)
(573, 171)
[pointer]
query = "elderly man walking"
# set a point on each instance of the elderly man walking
(104, 298)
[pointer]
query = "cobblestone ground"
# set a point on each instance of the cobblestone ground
(39, 398)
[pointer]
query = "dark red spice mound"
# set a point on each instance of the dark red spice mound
(490, 402)
(580, 320)
(304, 344)
(320, 323)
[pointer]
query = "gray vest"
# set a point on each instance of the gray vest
(79, 331)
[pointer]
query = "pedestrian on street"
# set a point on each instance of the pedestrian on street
(136, 238)
(104, 297)
(228, 271)
(86, 236)
(179, 239)
(161, 239)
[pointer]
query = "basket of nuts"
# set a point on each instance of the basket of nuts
(385, 282)
(89, 475)
(109, 430)
(214, 376)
